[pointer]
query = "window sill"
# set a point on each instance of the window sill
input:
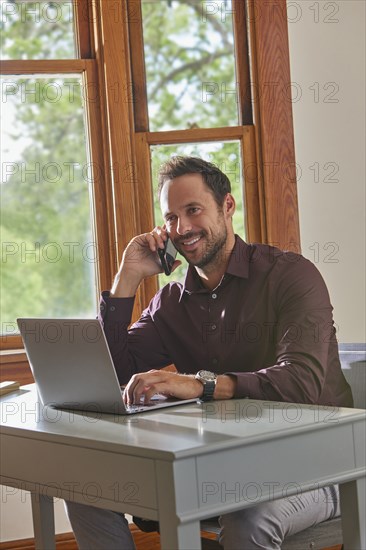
(13, 356)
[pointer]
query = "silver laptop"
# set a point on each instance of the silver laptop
(73, 368)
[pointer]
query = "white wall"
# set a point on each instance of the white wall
(327, 55)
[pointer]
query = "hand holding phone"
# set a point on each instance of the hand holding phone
(167, 256)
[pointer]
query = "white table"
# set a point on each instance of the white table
(183, 464)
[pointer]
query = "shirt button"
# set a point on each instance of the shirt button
(213, 327)
(112, 308)
(214, 296)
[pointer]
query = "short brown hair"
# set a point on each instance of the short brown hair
(216, 181)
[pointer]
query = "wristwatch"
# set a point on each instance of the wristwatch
(208, 379)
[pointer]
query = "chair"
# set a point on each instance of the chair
(328, 533)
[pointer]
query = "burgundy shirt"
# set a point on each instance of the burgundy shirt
(269, 322)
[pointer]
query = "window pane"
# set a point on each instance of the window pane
(48, 254)
(189, 59)
(226, 155)
(37, 30)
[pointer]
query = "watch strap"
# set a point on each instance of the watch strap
(208, 390)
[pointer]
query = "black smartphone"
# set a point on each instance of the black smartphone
(167, 256)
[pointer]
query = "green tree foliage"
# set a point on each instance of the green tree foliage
(45, 222)
(37, 30)
(47, 261)
(189, 53)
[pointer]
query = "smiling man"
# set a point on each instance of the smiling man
(249, 321)
(199, 227)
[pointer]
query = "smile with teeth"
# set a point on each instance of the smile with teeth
(193, 241)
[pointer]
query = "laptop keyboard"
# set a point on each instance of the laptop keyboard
(142, 407)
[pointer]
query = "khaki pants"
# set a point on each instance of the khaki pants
(262, 526)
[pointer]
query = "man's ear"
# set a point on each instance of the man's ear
(229, 204)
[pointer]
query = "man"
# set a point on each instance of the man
(260, 319)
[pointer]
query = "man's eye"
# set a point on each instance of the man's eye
(193, 210)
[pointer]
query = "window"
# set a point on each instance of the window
(190, 65)
(48, 249)
(52, 169)
(38, 30)
(200, 85)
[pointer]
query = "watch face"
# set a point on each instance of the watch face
(207, 375)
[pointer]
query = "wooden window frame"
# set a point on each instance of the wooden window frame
(110, 48)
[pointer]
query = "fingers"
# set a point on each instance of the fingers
(170, 384)
(156, 238)
(140, 260)
(144, 385)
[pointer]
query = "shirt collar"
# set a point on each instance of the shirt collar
(238, 266)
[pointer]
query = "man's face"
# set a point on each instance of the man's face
(197, 226)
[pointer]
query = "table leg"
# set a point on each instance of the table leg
(353, 509)
(43, 522)
(180, 537)
(177, 493)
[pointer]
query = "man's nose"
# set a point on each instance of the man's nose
(183, 225)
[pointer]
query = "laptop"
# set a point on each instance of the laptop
(73, 368)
